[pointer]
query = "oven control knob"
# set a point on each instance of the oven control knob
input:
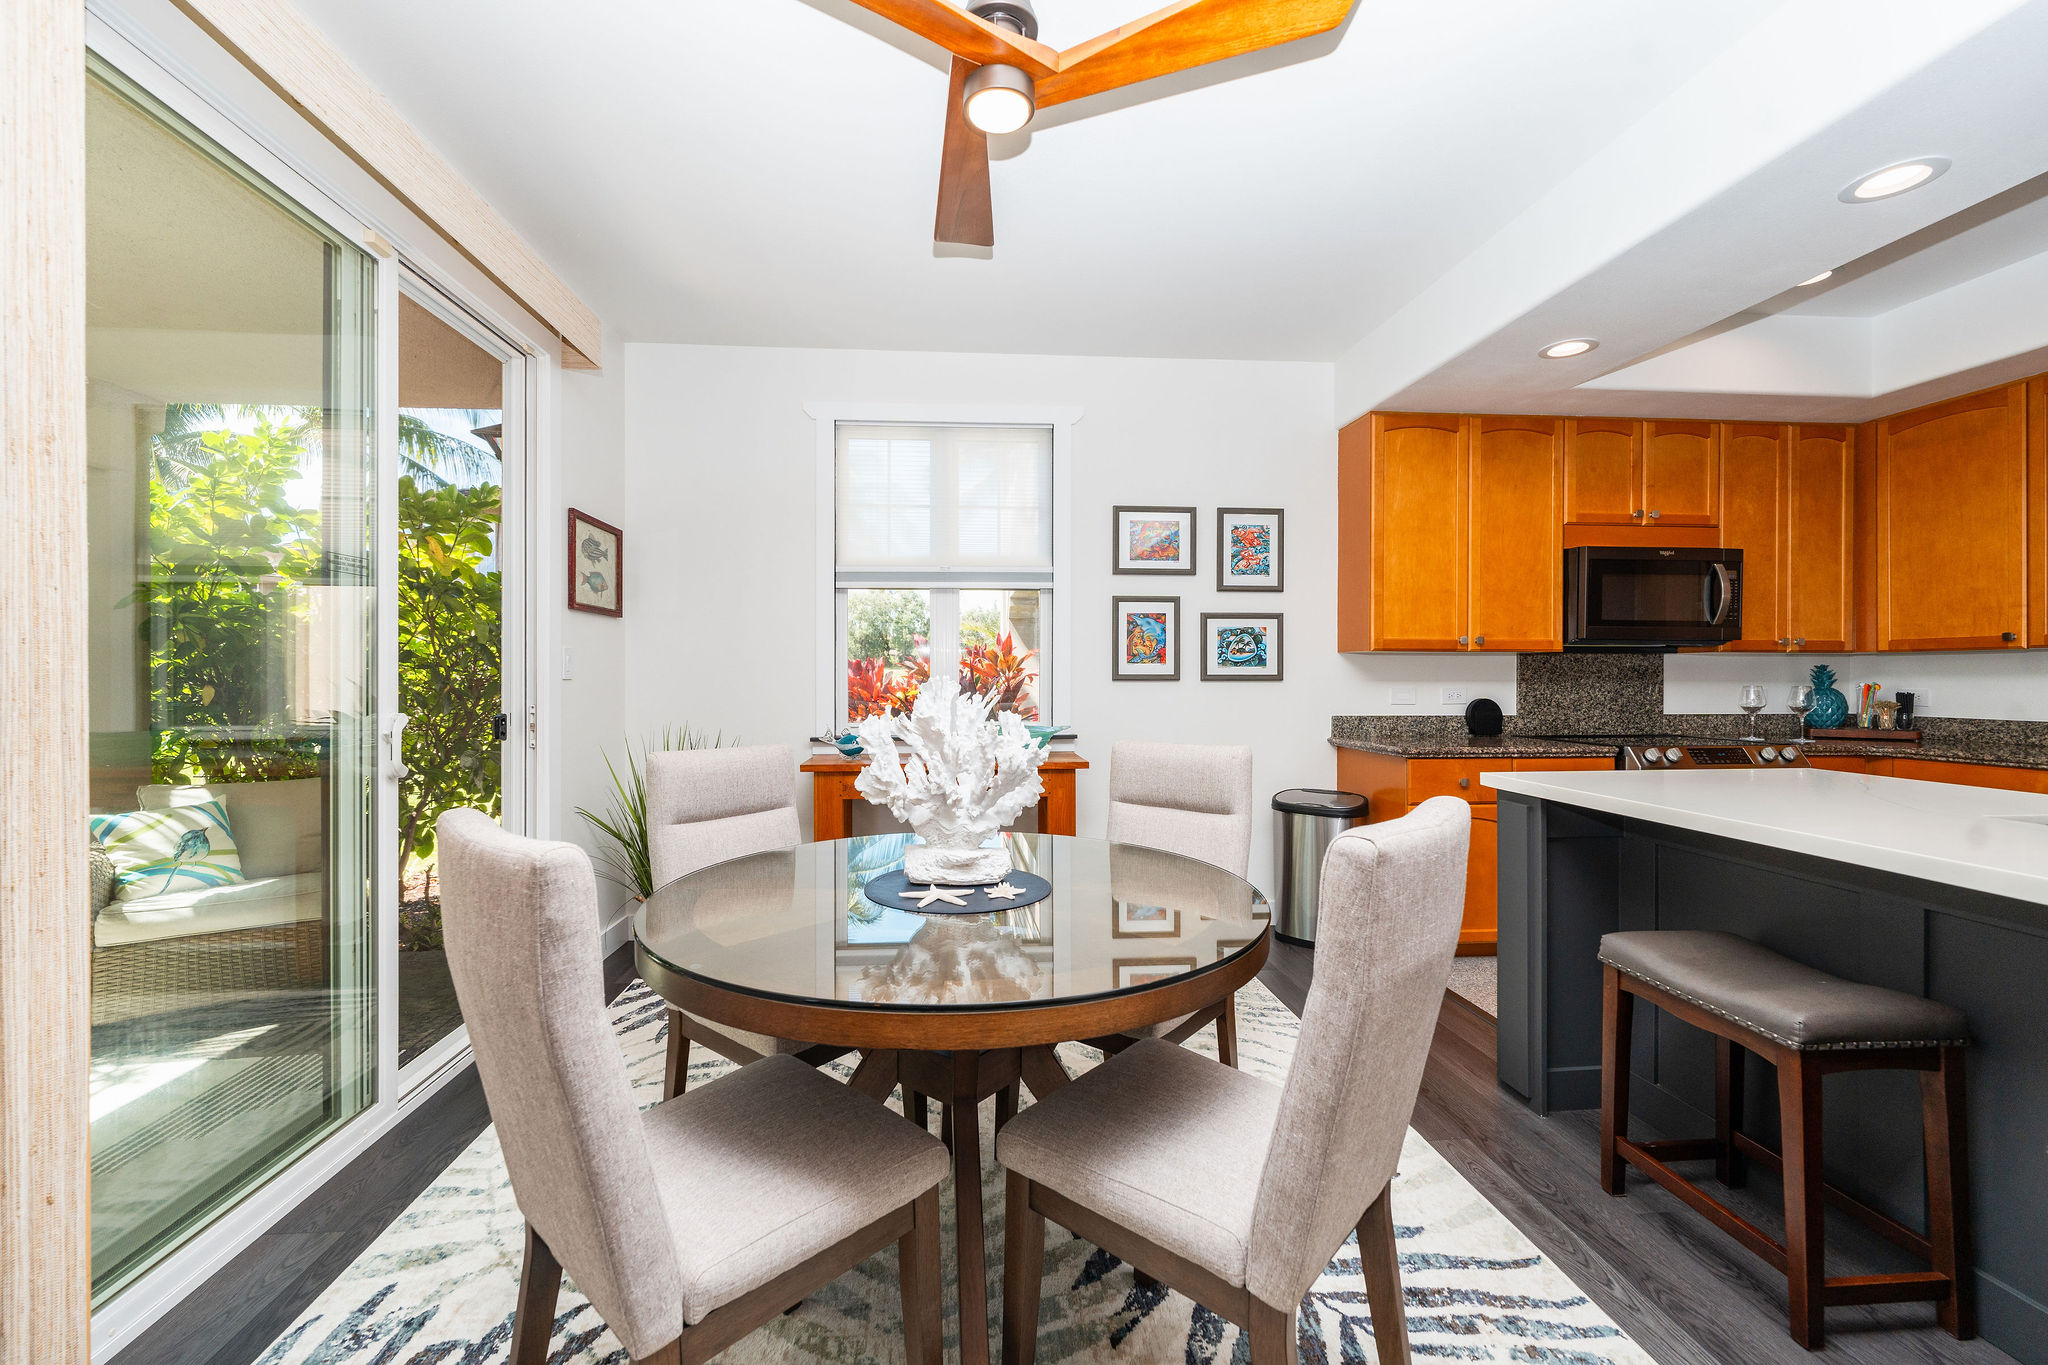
(1788, 755)
(1652, 756)
(1674, 753)
(1767, 753)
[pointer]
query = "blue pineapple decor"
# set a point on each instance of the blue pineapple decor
(1830, 708)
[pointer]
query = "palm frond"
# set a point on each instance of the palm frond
(623, 845)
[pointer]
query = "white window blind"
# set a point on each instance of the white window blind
(943, 506)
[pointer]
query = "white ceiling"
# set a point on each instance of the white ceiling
(1424, 196)
(764, 172)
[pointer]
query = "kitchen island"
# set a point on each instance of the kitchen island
(1935, 889)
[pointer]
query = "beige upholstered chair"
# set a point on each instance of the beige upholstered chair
(1194, 800)
(706, 806)
(688, 1225)
(1235, 1191)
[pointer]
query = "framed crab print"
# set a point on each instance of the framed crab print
(1249, 549)
(1243, 647)
(597, 568)
(1153, 540)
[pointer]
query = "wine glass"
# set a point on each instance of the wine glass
(1753, 699)
(1799, 702)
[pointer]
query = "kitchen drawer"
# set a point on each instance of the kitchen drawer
(1564, 765)
(1971, 774)
(1457, 777)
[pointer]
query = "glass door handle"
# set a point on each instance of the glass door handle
(394, 740)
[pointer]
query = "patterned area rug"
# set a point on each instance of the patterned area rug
(437, 1288)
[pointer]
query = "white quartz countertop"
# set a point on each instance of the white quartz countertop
(1975, 837)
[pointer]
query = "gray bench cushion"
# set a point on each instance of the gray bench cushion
(1789, 1003)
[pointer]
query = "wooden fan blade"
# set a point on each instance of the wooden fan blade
(962, 34)
(965, 215)
(1188, 34)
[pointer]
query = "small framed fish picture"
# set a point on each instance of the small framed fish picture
(1246, 648)
(1153, 540)
(1147, 638)
(1249, 549)
(597, 565)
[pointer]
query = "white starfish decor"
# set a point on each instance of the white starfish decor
(930, 894)
(1003, 891)
(966, 773)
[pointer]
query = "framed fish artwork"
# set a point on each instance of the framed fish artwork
(1146, 639)
(1153, 540)
(1243, 648)
(597, 565)
(1249, 545)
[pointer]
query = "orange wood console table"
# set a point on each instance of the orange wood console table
(833, 796)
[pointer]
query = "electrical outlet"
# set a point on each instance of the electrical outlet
(1454, 696)
(1400, 696)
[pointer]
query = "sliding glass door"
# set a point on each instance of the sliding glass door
(233, 502)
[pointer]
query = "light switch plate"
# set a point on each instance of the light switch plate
(568, 664)
(1400, 696)
(1454, 696)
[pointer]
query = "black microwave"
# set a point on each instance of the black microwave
(1644, 597)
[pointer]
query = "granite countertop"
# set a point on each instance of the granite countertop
(1976, 837)
(1470, 746)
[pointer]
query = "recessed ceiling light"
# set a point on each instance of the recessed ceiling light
(1565, 350)
(1907, 175)
(1824, 275)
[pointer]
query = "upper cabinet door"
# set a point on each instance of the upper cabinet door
(1418, 531)
(1603, 471)
(1816, 556)
(1951, 524)
(1516, 492)
(1752, 486)
(2037, 508)
(1681, 474)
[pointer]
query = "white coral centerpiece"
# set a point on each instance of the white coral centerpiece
(966, 775)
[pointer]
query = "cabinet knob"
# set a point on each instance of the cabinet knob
(1784, 640)
(1479, 639)
(1463, 640)
(1464, 782)
(2009, 636)
(1654, 514)
(1638, 512)
(1801, 642)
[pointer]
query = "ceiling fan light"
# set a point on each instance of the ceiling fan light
(1000, 98)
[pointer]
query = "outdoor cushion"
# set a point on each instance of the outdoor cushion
(265, 904)
(277, 824)
(1788, 1002)
(769, 1165)
(188, 848)
(1160, 1140)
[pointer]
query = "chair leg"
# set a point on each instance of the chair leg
(917, 1272)
(1617, 1017)
(1006, 1104)
(914, 1109)
(1381, 1265)
(1948, 1191)
(675, 1069)
(1226, 1032)
(533, 1321)
(671, 1354)
(1799, 1119)
(1272, 1333)
(1023, 1271)
(1728, 1067)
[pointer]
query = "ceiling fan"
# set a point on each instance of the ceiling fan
(1002, 74)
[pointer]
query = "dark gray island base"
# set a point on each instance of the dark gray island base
(1569, 874)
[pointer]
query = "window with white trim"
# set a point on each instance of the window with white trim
(943, 563)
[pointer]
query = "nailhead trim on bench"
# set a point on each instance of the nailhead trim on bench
(1711, 1008)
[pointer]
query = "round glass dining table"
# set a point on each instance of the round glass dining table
(954, 1007)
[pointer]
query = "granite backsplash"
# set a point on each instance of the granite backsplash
(1561, 696)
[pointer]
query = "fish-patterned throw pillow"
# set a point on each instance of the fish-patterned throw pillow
(184, 848)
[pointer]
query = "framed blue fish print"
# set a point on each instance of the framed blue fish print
(597, 565)
(1249, 549)
(1241, 648)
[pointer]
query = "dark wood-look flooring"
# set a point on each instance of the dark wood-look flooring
(1673, 1283)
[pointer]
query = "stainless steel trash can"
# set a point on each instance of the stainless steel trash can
(1307, 820)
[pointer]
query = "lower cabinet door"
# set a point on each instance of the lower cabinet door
(1479, 934)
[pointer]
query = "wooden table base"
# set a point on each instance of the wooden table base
(833, 797)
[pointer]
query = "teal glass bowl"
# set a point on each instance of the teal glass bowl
(1043, 733)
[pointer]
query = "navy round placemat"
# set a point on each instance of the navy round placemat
(891, 889)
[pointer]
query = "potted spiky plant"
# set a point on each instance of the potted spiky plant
(622, 826)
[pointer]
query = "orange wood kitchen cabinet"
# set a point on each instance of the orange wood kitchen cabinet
(1951, 513)
(1788, 502)
(2037, 509)
(1603, 471)
(1681, 474)
(1849, 763)
(1513, 531)
(1971, 774)
(1393, 786)
(1449, 533)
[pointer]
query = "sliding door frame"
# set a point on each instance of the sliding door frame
(150, 66)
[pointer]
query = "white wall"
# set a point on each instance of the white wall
(1988, 685)
(720, 477)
